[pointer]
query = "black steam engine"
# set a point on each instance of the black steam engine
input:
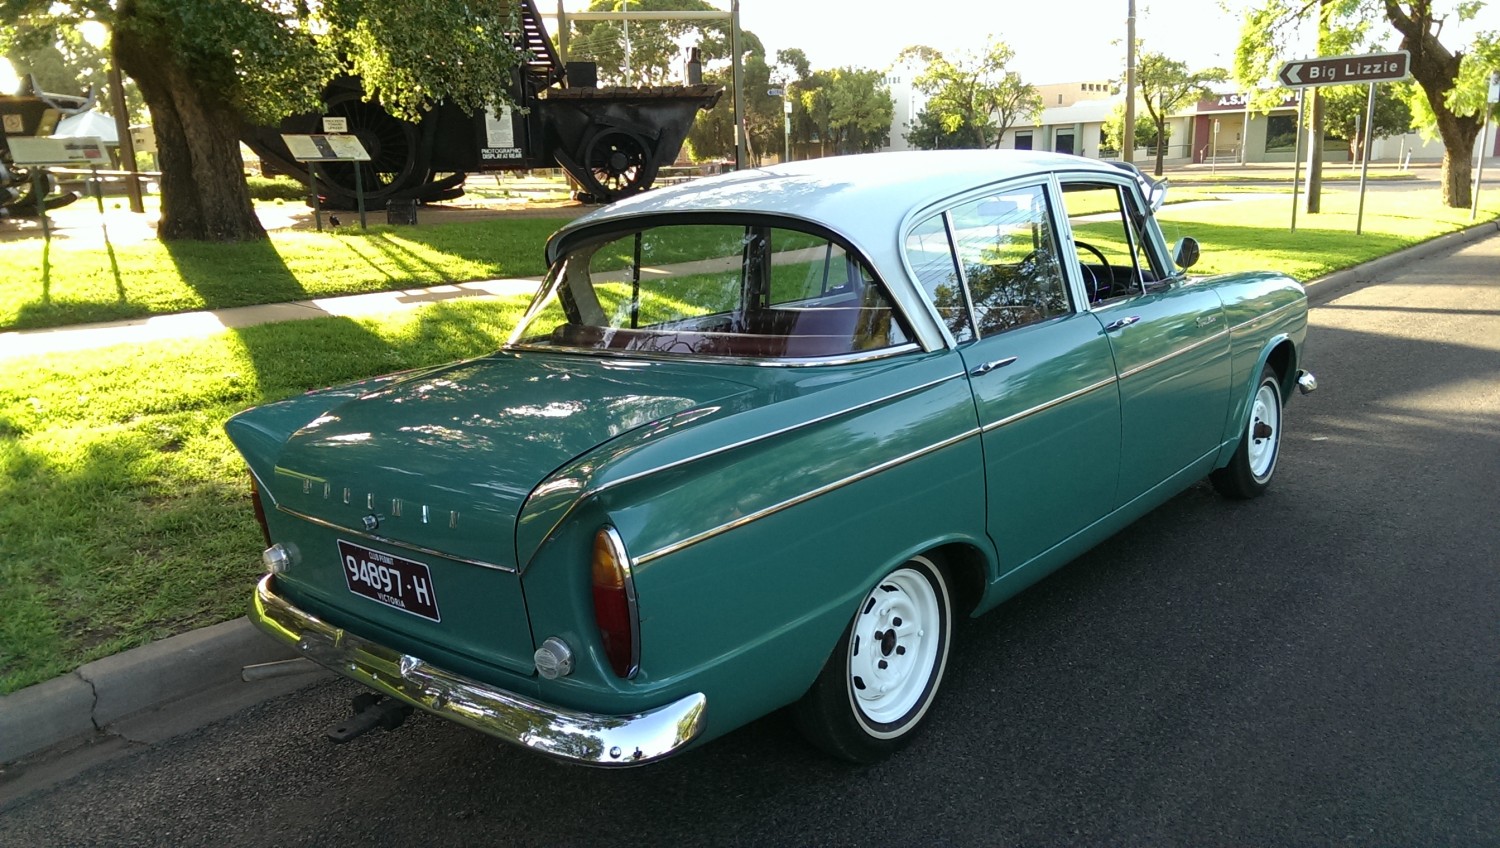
(611, 141)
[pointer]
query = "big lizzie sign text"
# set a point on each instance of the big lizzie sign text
(1344, 70)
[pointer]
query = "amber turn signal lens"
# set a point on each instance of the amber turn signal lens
(615, 611)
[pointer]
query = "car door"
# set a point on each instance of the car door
(1168, 337)
(1039, 366)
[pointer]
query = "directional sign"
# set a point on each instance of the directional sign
(1344, 70)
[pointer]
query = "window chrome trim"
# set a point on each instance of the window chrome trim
(1011, 419)
(1173, 355)
(803, 498)
(759, 362)
(386, 540)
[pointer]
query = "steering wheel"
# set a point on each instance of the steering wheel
(1097, 291)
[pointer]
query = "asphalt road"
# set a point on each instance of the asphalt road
(1320, 666)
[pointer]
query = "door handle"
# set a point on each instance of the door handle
(1121, 324)
(991, 366)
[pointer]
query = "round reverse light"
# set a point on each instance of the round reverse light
(276, 558)
(554, 659)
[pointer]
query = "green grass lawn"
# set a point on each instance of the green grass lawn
(1248, 235)
(70, 284)
(124, 511)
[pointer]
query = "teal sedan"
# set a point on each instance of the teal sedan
(756, 443)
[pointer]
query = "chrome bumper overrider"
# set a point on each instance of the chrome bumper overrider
(1306, 382)
(588, 738)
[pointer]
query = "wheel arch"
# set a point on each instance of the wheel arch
(1280, 353)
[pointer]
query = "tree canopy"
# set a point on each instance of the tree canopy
(1346, 108)
(973, 97)
(655, 47)
(206, 67)
(1166, 85)
(1447, 78)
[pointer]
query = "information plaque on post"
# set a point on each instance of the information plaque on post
(42, 153)
(313, 149)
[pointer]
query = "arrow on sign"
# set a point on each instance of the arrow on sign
(1289, 74)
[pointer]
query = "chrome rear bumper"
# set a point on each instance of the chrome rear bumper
(587, 738)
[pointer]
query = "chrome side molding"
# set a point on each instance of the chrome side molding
(586, 738)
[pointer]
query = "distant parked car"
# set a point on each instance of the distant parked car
(757, 441)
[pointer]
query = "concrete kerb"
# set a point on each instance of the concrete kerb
(106, 691)
(1377, 268)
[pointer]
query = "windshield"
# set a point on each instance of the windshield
(742, 290)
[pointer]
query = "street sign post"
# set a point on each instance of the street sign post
(1345, 70)
(1368, 69)
(1484, 144)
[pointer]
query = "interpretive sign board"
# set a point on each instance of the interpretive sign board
(85, 151)
(326, 148)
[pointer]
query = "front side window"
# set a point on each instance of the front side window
(1109, 238)
(734, 290)
(1007, 250)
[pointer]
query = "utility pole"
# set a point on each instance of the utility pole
(1127, 144)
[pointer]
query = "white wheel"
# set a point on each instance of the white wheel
(1249, 471)
(876, 688)
(1263, 436)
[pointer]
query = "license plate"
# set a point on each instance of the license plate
(397, 582)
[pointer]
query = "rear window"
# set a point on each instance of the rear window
(718, 290)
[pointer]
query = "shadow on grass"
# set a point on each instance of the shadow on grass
(124, 514)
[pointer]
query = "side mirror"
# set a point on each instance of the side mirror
(1185, 252)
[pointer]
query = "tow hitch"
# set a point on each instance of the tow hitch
(370, 711)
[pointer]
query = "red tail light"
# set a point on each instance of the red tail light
(260, 509)
(614, 603)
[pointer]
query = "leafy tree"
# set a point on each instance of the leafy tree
(972, 96)
(656, 47)
(1166, 85)
(1145, 133)
(1440, 72)
(206, 67)
(847, 110)
(712, 135)
(1346, 106)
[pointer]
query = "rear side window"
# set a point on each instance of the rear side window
(720, 290)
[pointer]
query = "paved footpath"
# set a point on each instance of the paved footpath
(108, 708)
(190, 324)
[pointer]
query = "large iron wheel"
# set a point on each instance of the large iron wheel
(395, 165)
(619, 162)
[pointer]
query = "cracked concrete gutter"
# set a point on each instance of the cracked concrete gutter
(104, 692)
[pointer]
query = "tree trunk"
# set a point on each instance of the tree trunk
(1459, 135)
(203, 192)
(1436, 70)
